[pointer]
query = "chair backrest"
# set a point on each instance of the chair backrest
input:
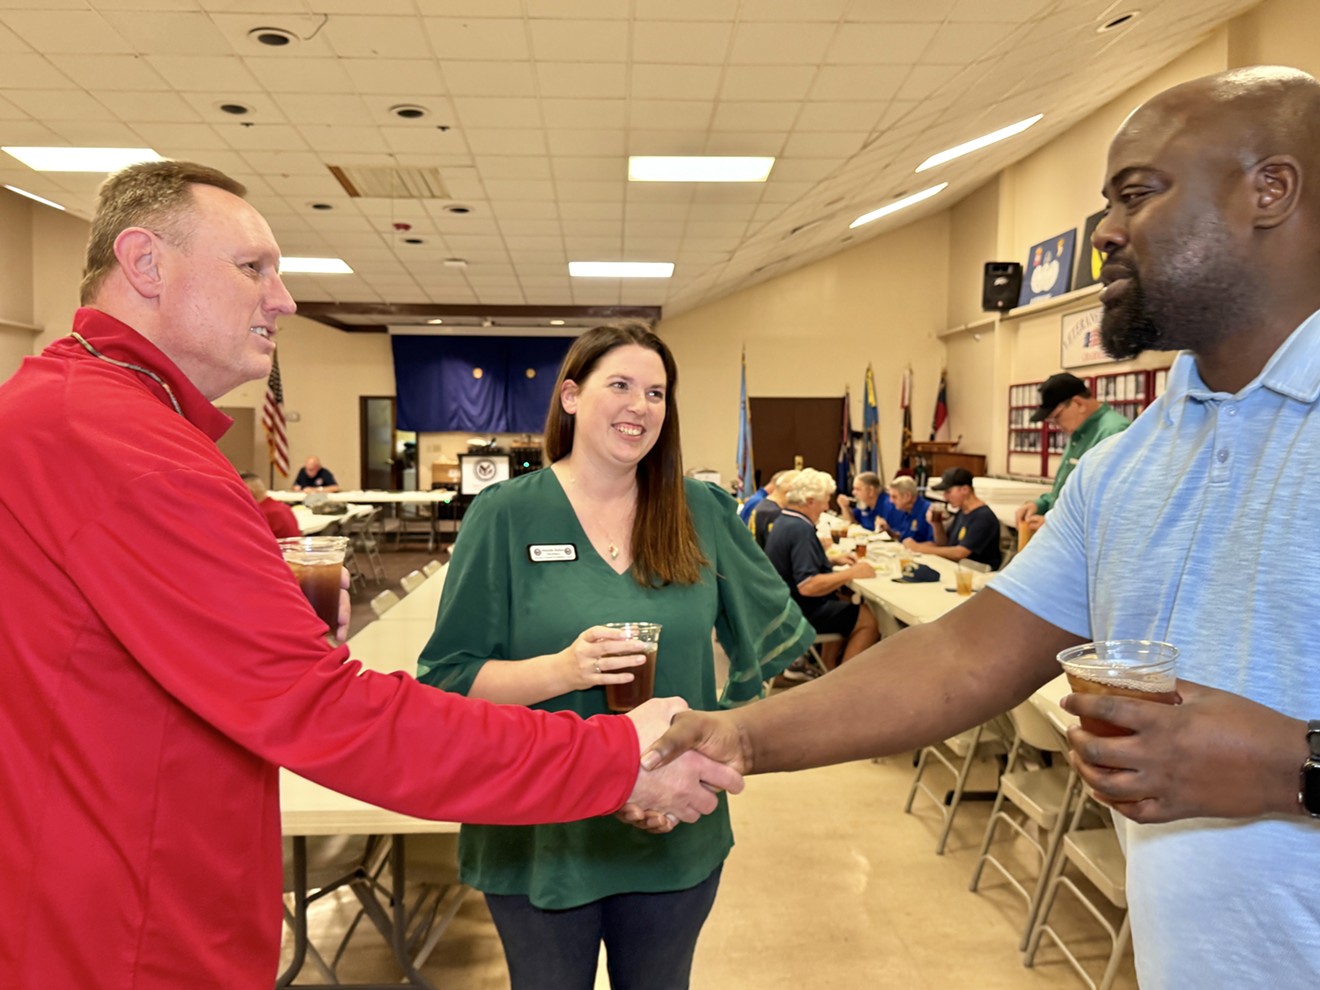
(974, 565)
(1035, 729)
(431, 567)
(412, 580)
(383, 602)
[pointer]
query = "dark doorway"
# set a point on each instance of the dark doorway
(786, 429)
(381, 470)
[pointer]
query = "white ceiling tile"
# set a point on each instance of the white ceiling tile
(109, 72)
(740, 115)
(20, 71)
(733, 193)
(686, 10)
(523, 210)
(586, 143)
(491, 112)
(11, 43)
(924, 80)
(170, 33)
(584, 113)
(590, 192)
(97, 134)
(323, 109)
(748, 143)
(331, 138)
(263, 137)
(593, 10)
(378, 37)
(511, 167)
(667, 143)
(839, 116)
(10, 112)
(305, 185)
(207, 107)
(57, 104)
(793, 10)
(582, 79)
(490, 79)
(285, 163)
(698, 43)
(591, 211)
(221, 75)
(566, 40)
(927, 10)
(407, 79)
(780, 44)
(423, 141)
(509, 189)
(960, 44)
(586, 168)
(302, 75)
(505, 142)
(783, 190)
(858, 82)
(879, 44)
(755, 82)
(530, 228)
(461, 187)
(674, 82)
(590, 228)
(478, 39)
(68, 31)
(671, 115)
(824, 145)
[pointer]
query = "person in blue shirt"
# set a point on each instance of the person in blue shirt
(903, 512)
(756, 498)
(862, 507)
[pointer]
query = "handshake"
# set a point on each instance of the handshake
(676, 783)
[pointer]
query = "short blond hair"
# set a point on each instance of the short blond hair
(153, 195)
(809, 484)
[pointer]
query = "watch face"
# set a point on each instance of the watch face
(1311, 787)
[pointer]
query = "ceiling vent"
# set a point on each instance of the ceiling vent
(390, 182)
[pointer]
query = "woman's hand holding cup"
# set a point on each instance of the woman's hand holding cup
(601, 655)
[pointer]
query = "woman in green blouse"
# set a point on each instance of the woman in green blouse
(610, 531)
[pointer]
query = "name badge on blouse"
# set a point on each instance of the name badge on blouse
(546, 553)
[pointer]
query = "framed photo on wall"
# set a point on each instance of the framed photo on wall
(1089, 259)
(1048, 270)
(1079, 339)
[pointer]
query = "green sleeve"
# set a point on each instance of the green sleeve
(757, 622)
(1046, 502)
(473, 623)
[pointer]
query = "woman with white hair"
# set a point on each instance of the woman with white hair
(799, 558)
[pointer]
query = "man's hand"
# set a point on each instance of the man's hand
(1216, 755)
(684, 788)
(345, 604)
(1023, 512)
(862, 569)
(713, 734)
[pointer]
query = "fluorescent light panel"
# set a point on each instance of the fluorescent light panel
(314, 266)
(621, 269)
(694, 168)
(976, 144)
(82, 159)
(897, 205)
(33, 196)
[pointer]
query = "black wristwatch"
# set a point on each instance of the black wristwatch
(1308, 794)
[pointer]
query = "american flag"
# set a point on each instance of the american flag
(272, 420)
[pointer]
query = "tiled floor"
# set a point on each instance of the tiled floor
(830, 885)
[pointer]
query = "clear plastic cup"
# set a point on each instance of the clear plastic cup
(626, 697)
(316, 562)
(1130, 668)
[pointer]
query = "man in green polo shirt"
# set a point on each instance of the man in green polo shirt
(1066, 402)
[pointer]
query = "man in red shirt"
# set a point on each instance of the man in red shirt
(279, 516)
(158, 672)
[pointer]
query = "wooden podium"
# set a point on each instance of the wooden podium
(939, 456)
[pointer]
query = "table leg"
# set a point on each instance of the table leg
(299, 913)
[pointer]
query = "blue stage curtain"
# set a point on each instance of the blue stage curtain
(437, 389)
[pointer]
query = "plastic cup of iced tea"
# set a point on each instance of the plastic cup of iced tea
(316, 562)
(626, 697)
(1131, 668)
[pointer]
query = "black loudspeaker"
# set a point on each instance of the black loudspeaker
(1003, 282)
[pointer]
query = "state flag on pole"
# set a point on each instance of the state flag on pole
(843, 465)
(746, 473)
(871, 460)
(905, 402)
(941, 416)
(272, 420)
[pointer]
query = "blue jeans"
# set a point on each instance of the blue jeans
(649, 939)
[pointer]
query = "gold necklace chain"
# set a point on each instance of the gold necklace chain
(612, 545)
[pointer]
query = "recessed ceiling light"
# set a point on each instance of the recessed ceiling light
(556, 323)
(237, 109)
(272, 37)
(976, 144)
(82, 159)
(314, 266)
(621, 269)
(455, 262)
(694, 168)
(321, 206)
(897, 205)
(457, 208)
(413, 240)
(435, 323)
(1118, 22)
(409, 111)
(33, 196)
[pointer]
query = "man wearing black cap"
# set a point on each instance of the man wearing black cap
(972, 532)
(1067, 403)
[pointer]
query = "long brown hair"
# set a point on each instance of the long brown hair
(664, 541)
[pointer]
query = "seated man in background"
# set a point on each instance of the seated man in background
(903, 512)
(1067, 403)
(796, 553)
(312, 476)
(279, 516)
(753, 500)
(768, 509)
(863, 508)
(972, 533)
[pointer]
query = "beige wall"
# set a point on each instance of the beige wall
(811, 332)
